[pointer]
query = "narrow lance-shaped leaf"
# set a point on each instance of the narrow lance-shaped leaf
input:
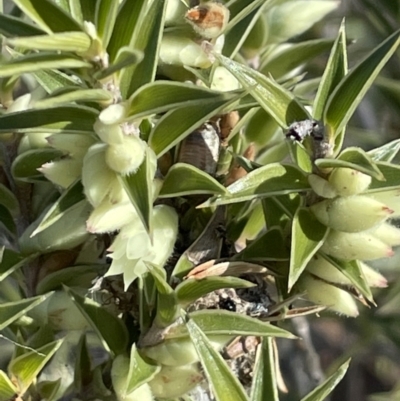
(51, 80)
(139, 187)
(69, 198)
(7, 387)
(226, 386)
(277, 101)
(184, 179)
(110, 329)
(334, 72)
(348, 95)
(147, 38)
(324, 389)
(40, 61)
(244, 15)
(264, 382)
(175, 125)
(106, 14)
(161, 96)
(140, 371)
(270, 180)
(125, 25)
(11, 311)
(25, 368)
(78, 119)
(308, 235)
(12, 26)
(48, 15)
(167, 306)
(67, 42)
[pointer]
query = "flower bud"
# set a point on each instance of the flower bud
(387, 233)
(351, 214)
(174, 382)
(113, 114)
(373, 278)
(321, 268)
(108, 133)
(348, 182)
(180, 352)
(126, 157)
(209, 19)
(179, 50)
(98, 180)
(350, 246)
(390, 198)
(321, 186)
(322, 293)
(108, 217)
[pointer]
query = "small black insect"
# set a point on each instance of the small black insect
(227, 304)
(301, 129)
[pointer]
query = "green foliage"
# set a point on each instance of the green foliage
(152, 177)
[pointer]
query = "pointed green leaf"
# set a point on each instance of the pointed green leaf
(75, 276)
(125, 26)
(26, 367)
(110, 329)
(243, 16)
(8, 199)
(106, 14)
(349, 93)
(324, 389)
(48, 15)
(288, 57)
(7, 388)
(354, 158)
(12, 26)
(264, 386)
(354, 273)
(139, 187)
(25, 166)
(161, 96)
(76, 119)
(51, 80)
(175, 125)
(83, 10)
(335, 70)
(101, 96)
(184, 179)
(67, 42)
(391, 172)
(12, 311)
(190, 290)
(222, 322)
(147, 38)
(272, 179)
(272, 97)
(83, 372)
(40, 61)
(269, 246)
(167, 306)
(10, 262)
(308, 235)
(225, 385)
(385, 153)
(7, 219)
(140, 371)
(125, 58)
